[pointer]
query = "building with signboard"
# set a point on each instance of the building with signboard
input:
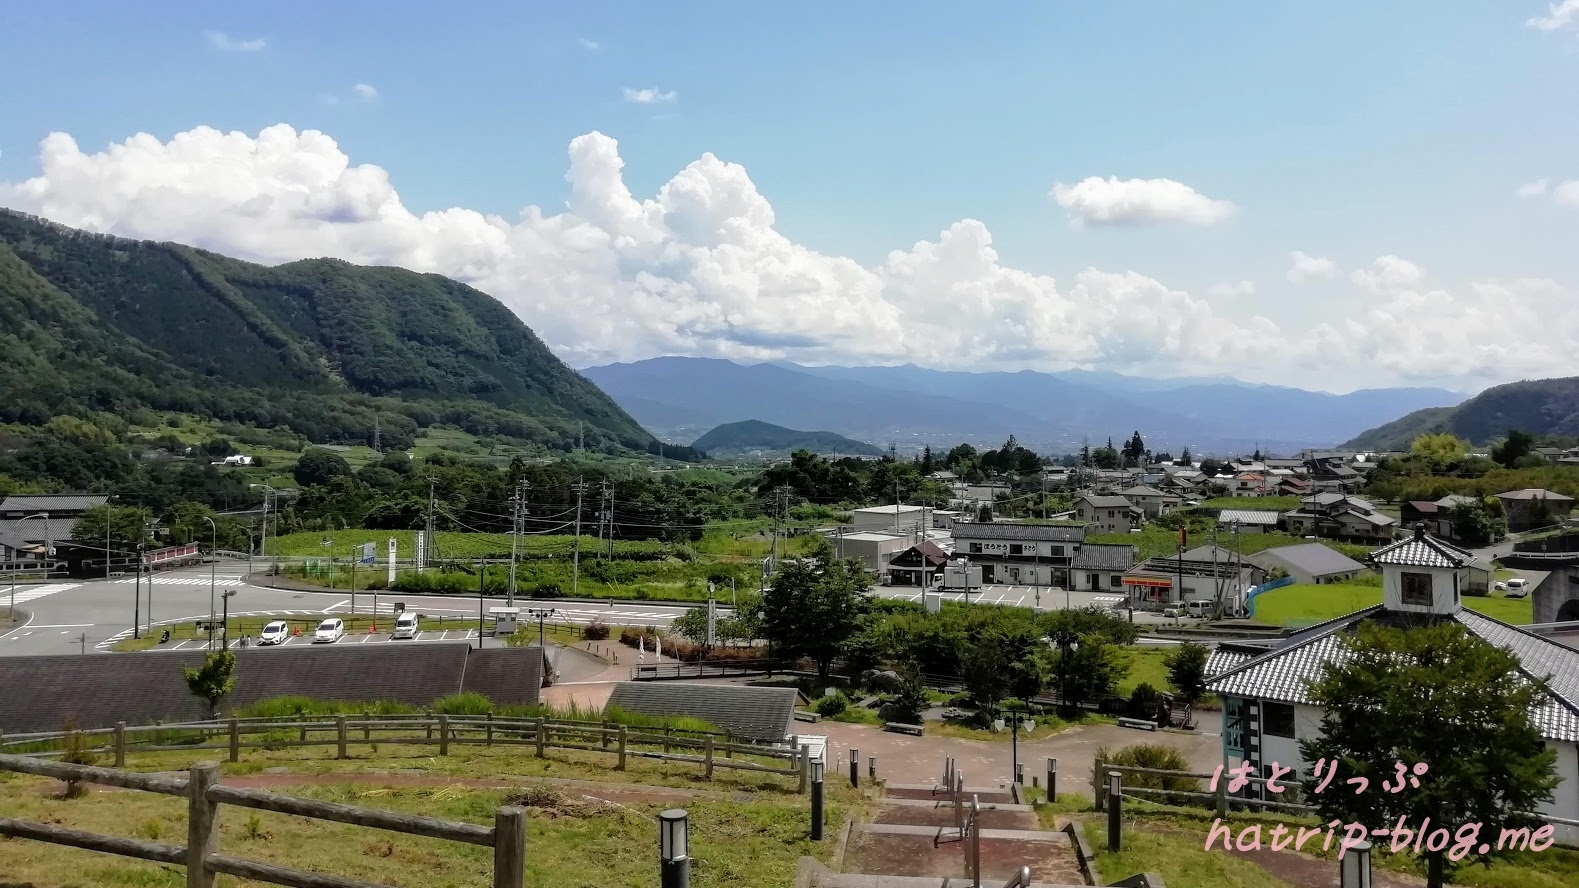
(1033, 554)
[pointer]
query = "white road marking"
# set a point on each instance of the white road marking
(331, 608)
(184, 644)
(180, 581)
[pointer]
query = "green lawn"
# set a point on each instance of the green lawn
(1155, 542)
(1145, 667)
(1259, 503)
(1305, 605)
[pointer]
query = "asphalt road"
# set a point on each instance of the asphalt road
(60, 614)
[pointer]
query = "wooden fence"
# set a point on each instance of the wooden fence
(201, 855)
(443, 731)
(1218, 799)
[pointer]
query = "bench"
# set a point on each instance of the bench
(802, 715)
(1138, 724)
(902, 728)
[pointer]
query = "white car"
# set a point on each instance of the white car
(1518, 587)
(275, 633)
(407, 625)
(329, 631)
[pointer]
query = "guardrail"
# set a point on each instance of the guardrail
(708, 669)
(442, 731)
(201, 855)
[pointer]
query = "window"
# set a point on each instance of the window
(1277, 720)
(1058, 552)
(1416, 589)
(1016, 549)
(975, 548)
(1116, 581)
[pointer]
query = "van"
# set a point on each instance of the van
(1177, 610)
(407, 626)
(1200, 608)
(1518, 587)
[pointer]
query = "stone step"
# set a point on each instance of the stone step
(890, 849)
(983, 794)
(922, 813)
(865, 880)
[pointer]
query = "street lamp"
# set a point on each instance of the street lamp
(816, 798)
(1069, 647)
(1354, 870)
(541, 615)
(224, 632)
(674, 848)
(213, 563)
(267, 493)
(17, 528)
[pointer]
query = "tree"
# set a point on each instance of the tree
(213, 680)
(1451, 701)
(319, 466)
(128, 527)
(1187, 671)
(928, 465)
(692, 624)
(1479, 523)
(1185, 459)
(1089, 672)
(1134, 450)
(814, 606)
(1513, 448)
(1438, 451)
(1105, 457)
(1211, 468)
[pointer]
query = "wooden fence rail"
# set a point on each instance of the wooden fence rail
(204, 796)
(442, 731)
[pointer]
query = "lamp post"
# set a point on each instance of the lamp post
(268, 492)
(213, 563)
(18, 530)
(1068, 648)
(1354, 870)
(674, 842)
(816, 799)
(541, 615)
(224, 632)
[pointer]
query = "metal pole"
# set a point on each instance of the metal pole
(1014, 747)
(1052, 780)
(1115, 819)
(816, 802)
(137, 596)
(213, 562)
(353, 586)
(482, 574)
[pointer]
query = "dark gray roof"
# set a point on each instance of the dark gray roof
(1422, 550)
(758, 713)
(140, 688)
(1281, 670)
(1106, 502)
(1104, 556)
(990, 530)
(52, 502)
(33, 531)
(1534, 493)
(1315, 559)
(1142, 490)
(1247, 516)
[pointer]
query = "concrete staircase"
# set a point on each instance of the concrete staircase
(914, 842)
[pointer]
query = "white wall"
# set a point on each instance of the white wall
(1565, 798)
(1442, 582)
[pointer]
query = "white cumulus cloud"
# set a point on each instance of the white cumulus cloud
(650, 96)
(1531, 189)
(589, 45)
(1236, 290)
(1310, 268)
(1565, 193)
(365, 91)
(225, 43)
(1558, 16)
(699, 268)
(1114, 201)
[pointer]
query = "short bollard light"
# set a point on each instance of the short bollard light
(1354, 871)
(674, 847)
(816, 799)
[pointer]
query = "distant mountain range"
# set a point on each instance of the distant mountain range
(1537, 406)
(755, 436)
(679, 398)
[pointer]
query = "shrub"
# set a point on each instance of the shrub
(828, 707)
(1158, 757)
(1144, 702)
(78, 751)
(597, 630)
(545, 590)
(465, 703)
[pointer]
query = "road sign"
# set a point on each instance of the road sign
(369, 553)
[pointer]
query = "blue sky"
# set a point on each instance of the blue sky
(1348, 131)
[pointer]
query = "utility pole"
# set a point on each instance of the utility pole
(608, 516)
(575, 576)
(427, 536)
(375, 434)
(516, 523)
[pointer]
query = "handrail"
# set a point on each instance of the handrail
(1021, 879)
(973, 849)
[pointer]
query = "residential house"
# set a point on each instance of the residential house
(1267, 709)
(1254, 574)
(1032, 554)
(30, 521)
(1292, 485)
(1341, 516)
(874, 548)
(1533, 507)
(1291, 465)
(1550, 454)
(1330, 475)
(1257, 520)
(1249, 484)
(1245, 464)
(880, 518)
(920, 565)
(1309, 563)
(1153, 503)
(1100, 567)
(1107, 514)
(1159, 583)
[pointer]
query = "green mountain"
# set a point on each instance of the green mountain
(752, 434)
(96, 323)
(1537, 406)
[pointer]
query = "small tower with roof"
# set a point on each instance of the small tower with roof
(1422, 574)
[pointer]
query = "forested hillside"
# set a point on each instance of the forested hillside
(91, 323)
(1537, 406)
(755, 435)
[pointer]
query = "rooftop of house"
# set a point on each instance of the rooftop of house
(1315, 559)
(892, 509)
(758, 713)
(1279, 669)
(1421, 550)
(34, 530)
(1528, 493)
(1213, 553)
(1423, 507)
(1097, 501)
(1142, 490)
(1247, 516)
(1454, 499)
(52, 502)
(992, 530)
(872, 536)
(1104, 556)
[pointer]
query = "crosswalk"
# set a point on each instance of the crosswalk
(31, 593)
(1108, 599)
(181, 581)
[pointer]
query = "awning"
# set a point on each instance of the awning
(1151, 582)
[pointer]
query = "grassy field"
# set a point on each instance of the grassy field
(1259, 503)
(1305, 605)
(574, 837)
(1155, 542)
(1145, 667)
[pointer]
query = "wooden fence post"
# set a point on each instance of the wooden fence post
(622, 748)
(235, 740)
(729, 745)
(304, 731)
(667, 730)
(490, 729)
(1097, 785)
(120, 744)
(542, 736)
(605, 735)
(805, 766)
(339, 731)
(444, 735)
(709, 757)
(202, 824)
(367, 728)
(509, 848)
(1222, 798)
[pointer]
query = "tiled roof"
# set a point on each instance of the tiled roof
(1142, 490)
(1247, 516)
(52, 502)
(757, 713)
(101, 689)
(1315, 559)
(509, 676)
(1106, 502)
(1424, 507)
(1421, 550)
(33, 530)
(1281, 673)
(1528, 493)
(988, 530)
(1376, 518)
(1104, 556)
(1454, 499)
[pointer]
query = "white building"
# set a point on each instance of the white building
(874, 548)
(884, 517)
(1267, 710)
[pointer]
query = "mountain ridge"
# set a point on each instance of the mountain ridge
(1538, 406)
(755, 435)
